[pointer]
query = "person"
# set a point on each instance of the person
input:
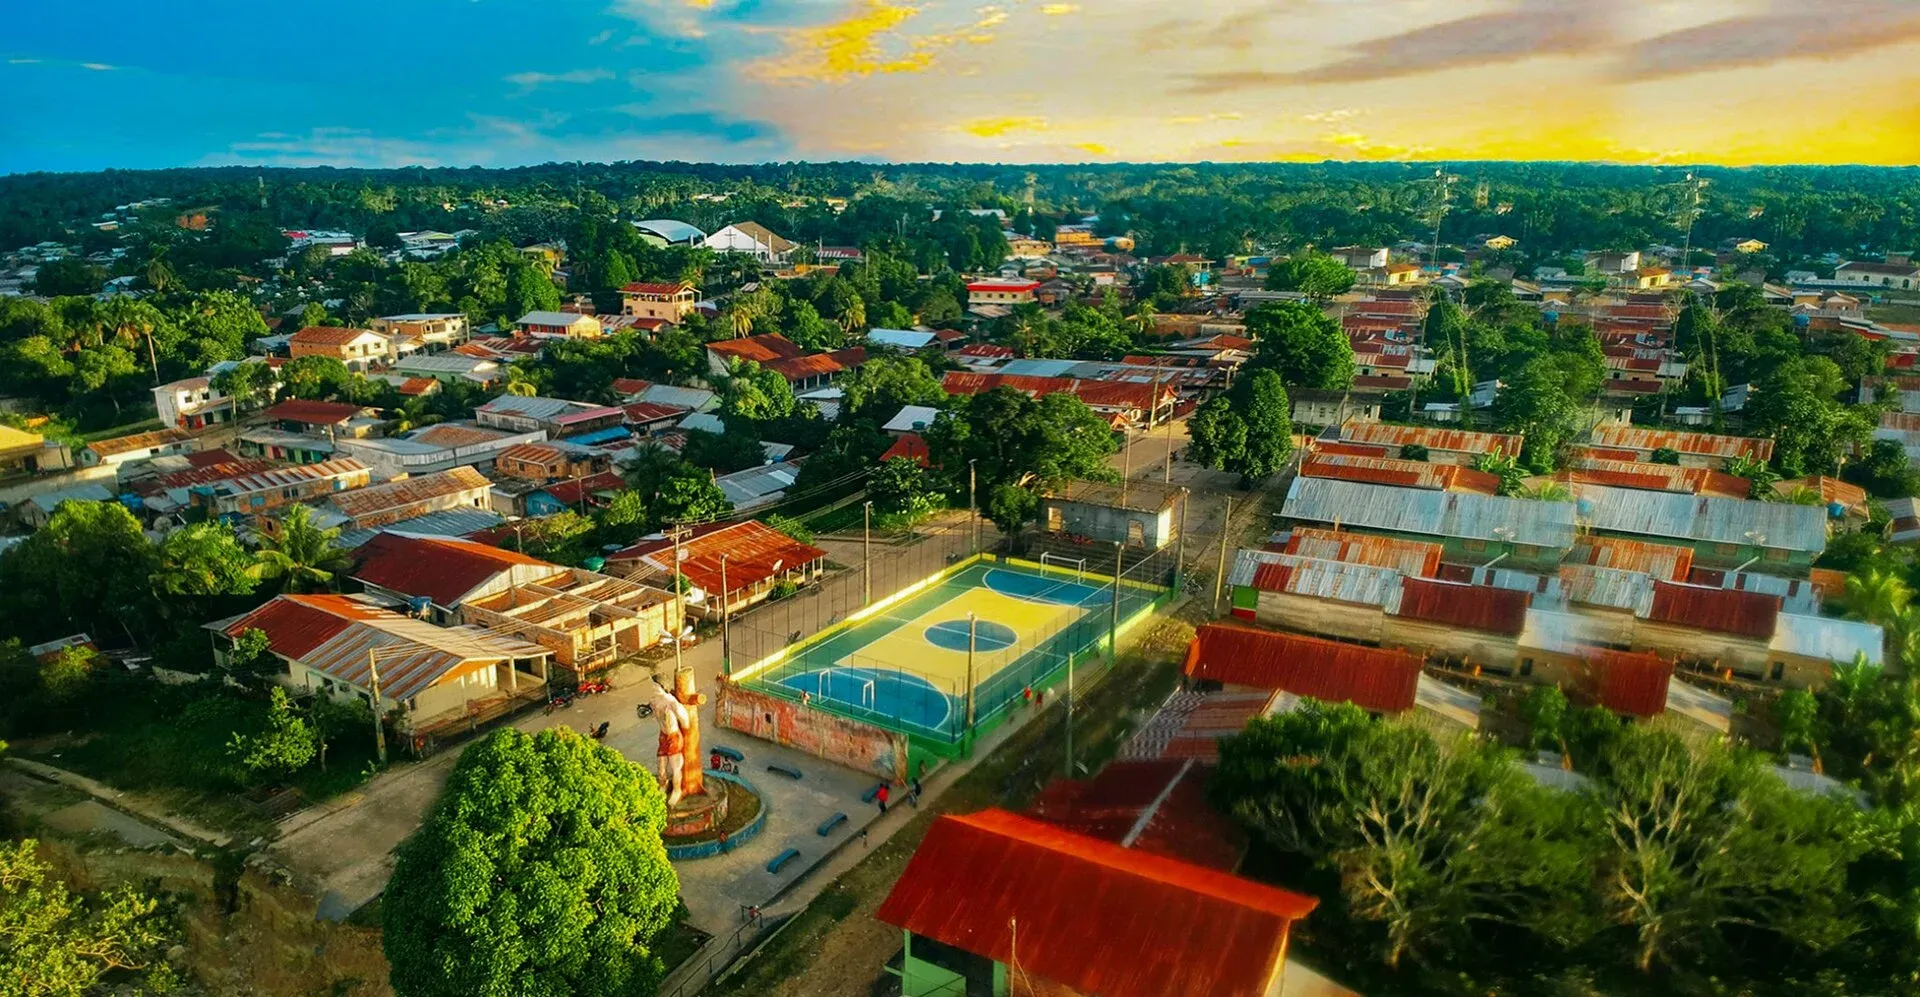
(913, 793)
(881, 798)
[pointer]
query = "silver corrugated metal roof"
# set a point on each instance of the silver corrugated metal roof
(444, 523)
(1363, 584)
(1743, 522)
(413, 654)
(1614, 588)
(1426, 513)
(1826, 637)
(1567, 633)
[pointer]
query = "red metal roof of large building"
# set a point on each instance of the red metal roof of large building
(1476, 607)
(1632, 683)
(1697, 444)
(1091, 916)
(1648, 476)
(312, 412)
(1729, 611)
(438, 568)
(1372, 678)
(1156, 807)
(801, 368)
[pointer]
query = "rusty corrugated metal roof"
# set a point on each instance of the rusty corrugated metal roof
(440, 568)
(1640, 438)
(1633, 683)
(312, 412)
(1372, 678)
(1729, 611)
(365, 502)
(1476, 607)
(1401, 473)
(1414, 558)
(1648, 476)
(296, 624)
(1663, 561)
(1156, 807)
(754, 551)
(1089, 915)
(1451, 440)
(761, 349)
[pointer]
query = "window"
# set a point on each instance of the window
(1526, 666)
(1779, 670)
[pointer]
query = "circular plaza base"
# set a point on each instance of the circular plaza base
(729, 813)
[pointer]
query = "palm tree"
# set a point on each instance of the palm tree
(1143, 319)
(302, 556)
(1876, 595)
(132, 321)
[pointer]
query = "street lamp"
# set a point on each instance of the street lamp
(519, 547)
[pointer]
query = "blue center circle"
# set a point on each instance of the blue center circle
(987, 635)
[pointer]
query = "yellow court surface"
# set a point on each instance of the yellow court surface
(934, 643)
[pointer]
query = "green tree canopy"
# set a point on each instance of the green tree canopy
(1247, 429)
(540, 872)
(1305, 347)
(1316, 275)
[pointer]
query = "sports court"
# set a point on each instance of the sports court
(907, 666)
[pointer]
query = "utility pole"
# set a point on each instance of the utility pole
(972, 636)
(680, 596)
(1113, 627)
(866, 550)
(373, 681)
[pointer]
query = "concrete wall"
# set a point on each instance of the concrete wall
(816, 732)
(1106, 523)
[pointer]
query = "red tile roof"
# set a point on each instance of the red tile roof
(311, 412)
(1729, 611)
(1155, 807)
(762, 349)
(912, 446)
(296, 624)
(1372, 678)
(1632, 683)
(1088, 915)
(440, 569)
(1476, 607)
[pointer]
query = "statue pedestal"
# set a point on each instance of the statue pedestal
(696, 815)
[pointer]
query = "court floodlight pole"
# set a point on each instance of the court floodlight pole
(973, 510)
(1180, 543)
(726, 622)
(972, 636)
(866, 549)
(1113, 630)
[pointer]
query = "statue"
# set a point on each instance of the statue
(692, 777)
(674, 724)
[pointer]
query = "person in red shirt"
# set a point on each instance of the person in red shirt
(881, 798)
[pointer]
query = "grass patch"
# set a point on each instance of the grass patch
(1009, 777)
(143, 426)
(678, 943)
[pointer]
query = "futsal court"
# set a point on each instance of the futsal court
(907, 667)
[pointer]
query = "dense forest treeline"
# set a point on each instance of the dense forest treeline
(1215, 209)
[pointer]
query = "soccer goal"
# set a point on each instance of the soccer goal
(866, 694)
(1078, 564)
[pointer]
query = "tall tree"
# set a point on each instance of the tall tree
(1316, 275)
(1304, 346)
(540, 871)
(302, 555)
(1247, 430)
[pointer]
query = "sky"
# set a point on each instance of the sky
(138, 84)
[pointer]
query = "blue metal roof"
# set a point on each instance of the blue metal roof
(672, 231)
(599, 436)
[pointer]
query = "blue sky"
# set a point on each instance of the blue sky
(117, 83)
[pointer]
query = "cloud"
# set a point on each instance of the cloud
(602, 38)
(98, 67)
(996, 127)
(1093, 148)
(531, 80)
(1828, 29)
(871, 41)
(1057, 9)
(1518, 32)
(1328, 117)
(22, 62)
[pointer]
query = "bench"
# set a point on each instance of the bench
(730, 754)
(779, 861)
(827, 826)
(872, 794)
(790, 773)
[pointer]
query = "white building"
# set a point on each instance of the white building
(192, 404)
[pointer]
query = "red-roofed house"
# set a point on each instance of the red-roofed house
(1382, 680)
(1000, 292)
(1157, 807)
(757, 557)
(1076, 915)
(427, 676)
(762, 349)
(671, 302)
(911, 446)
